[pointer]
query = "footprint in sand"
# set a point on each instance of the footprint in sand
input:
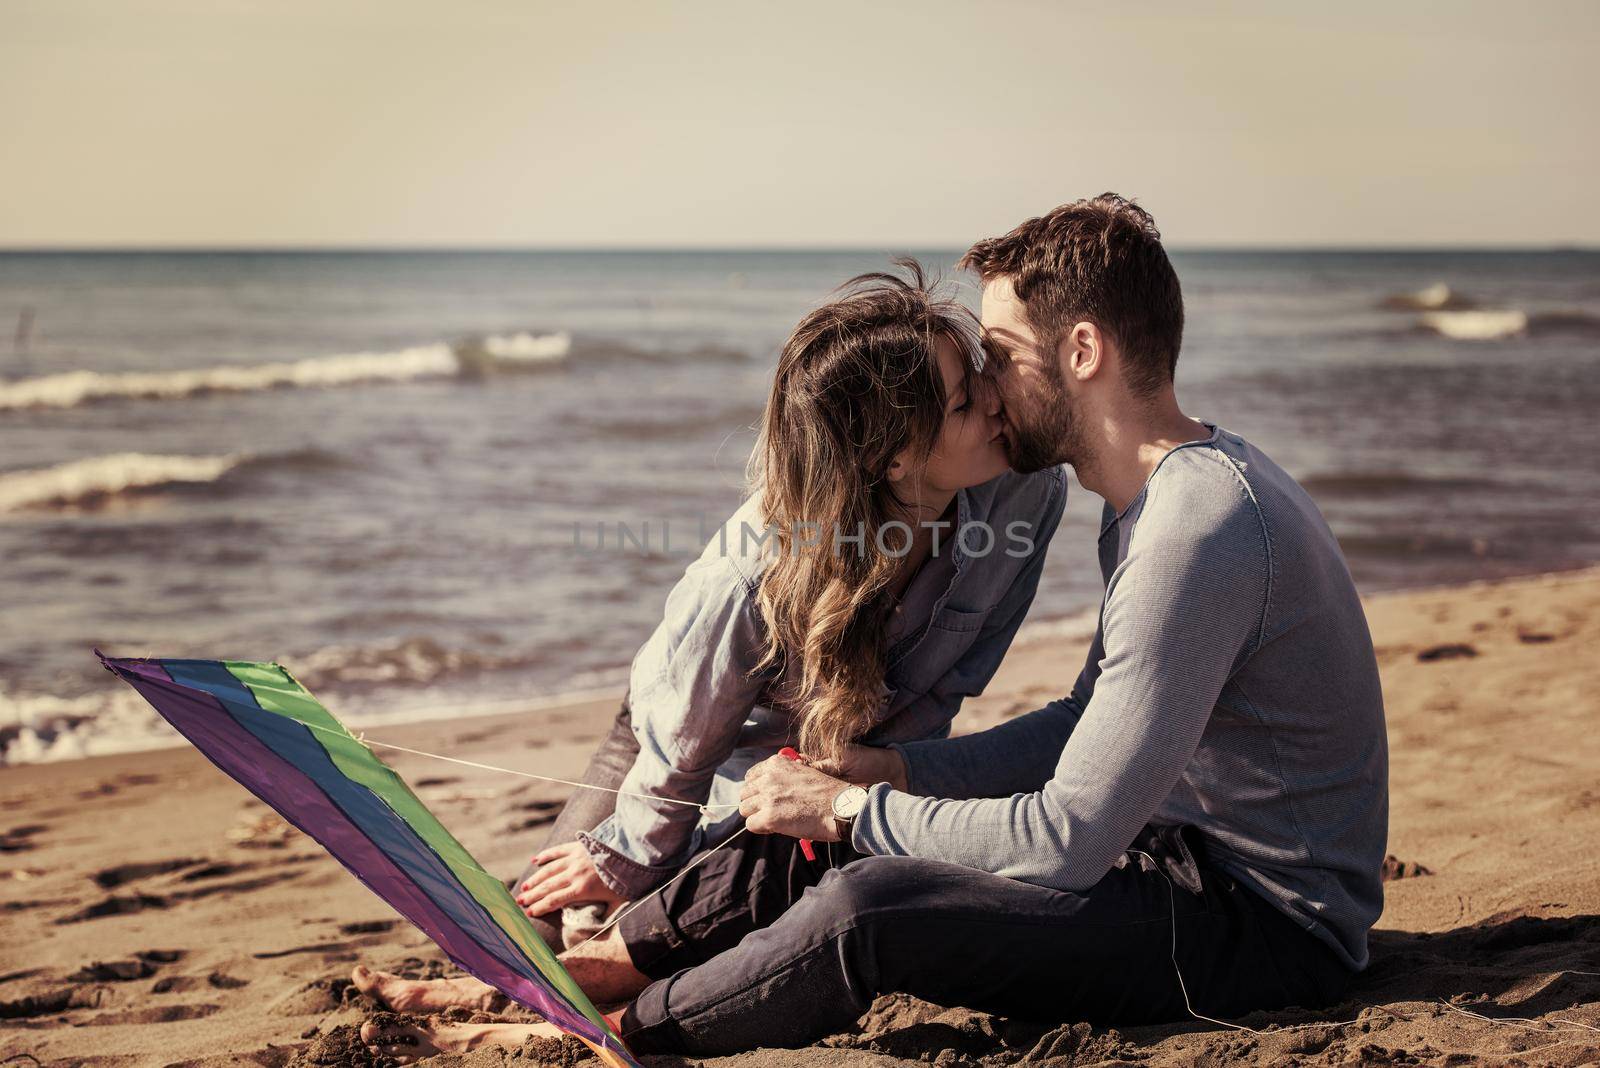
(161, 956)
(27, 904)
(183, 984)
(111, 878)
(543, 812)
(319, 997)
(20, 839)
(238, 886)
(51, 1004)
(151, 1014)
(127, 904)
(215, 871)
(116, 905)
(1453, 651)
(113, 971)
(320, 947)
(26, 973)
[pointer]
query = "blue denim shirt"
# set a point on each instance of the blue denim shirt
(704, 716)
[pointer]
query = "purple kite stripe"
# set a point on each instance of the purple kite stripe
(202, 719)
(364, 808)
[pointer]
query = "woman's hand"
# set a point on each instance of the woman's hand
(566, 876)
(865, 765)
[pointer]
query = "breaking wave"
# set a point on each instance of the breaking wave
(99, 480)
(414, 660)
(36, 728)
(472, 357)
(1450, 314)
(1437, 297)
(1476, 325)
(1500, 324)
(372, 685)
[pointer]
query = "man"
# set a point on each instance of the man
(1198, 827)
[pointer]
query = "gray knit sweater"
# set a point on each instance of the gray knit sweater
(1231, 685)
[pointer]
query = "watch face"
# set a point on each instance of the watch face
(848, 803)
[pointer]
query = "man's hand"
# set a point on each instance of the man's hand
(566, 876)
(865, 765)
(783, 796)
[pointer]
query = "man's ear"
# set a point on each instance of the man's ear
(1082, 352)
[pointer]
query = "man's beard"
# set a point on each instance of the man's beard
(1049, 432)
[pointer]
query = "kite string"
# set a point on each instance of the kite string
(364, 740)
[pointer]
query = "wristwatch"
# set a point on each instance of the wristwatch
(847, 805)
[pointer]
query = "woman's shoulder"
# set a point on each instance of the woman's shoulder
(738, 552)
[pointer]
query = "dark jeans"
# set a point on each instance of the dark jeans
(758, 947)
(585, 809)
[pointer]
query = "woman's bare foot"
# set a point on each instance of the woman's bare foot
(408, 1043)
(427, 995)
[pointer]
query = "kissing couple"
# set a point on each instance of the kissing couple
(1195, 828)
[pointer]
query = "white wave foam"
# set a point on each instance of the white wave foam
(39, 728)
(72, 388)
(107, 476)
(524, 346)
(1437, 297)
(1477, 325)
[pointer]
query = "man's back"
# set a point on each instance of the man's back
(1290, 779)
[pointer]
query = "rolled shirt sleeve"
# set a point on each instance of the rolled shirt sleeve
(691, 689)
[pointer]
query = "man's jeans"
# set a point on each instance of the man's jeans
(758, 947)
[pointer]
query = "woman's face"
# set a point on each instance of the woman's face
(971, 447)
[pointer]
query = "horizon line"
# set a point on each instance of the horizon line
(879, 249)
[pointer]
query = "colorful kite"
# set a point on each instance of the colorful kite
(255, 722)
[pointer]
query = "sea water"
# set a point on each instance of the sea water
(388, 470)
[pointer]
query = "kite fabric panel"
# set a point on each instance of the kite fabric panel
(260, 726)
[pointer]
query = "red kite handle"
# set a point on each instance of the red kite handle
(789, 753)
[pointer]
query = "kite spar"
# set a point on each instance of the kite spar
(260, 726)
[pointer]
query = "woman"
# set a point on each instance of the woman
(874, 579)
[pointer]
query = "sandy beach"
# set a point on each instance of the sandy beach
(154, 913)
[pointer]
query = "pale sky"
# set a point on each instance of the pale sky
(751, 123)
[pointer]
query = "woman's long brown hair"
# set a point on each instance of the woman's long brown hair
(857, 383)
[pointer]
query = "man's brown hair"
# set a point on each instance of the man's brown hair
(1100, 261)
